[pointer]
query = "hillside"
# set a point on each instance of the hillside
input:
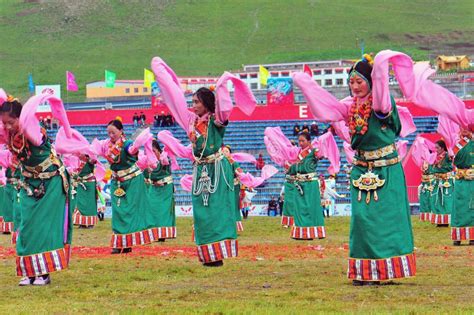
(195, 37)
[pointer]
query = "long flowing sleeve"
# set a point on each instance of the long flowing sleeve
(349, 152)
(100, 147)
(141, 140)
(416, 87)
(406, 120)
(244, 98)
(29, 124)
(421, 151)
(172, 93)
(244, 158)
(323, 105)
(75, 144)
(5, 158)
(250, 181)
(279, 147)
(327, 148)
(174, 147)
(187, 182)
(402, 148)
(449, 130)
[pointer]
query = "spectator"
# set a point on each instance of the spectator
(48, 122)
(156, 120)
(314, 129)
(135, 120)
(247, 201)
(305, 128)
(281, 201)
(272, 207)
(142, 118)
(169, 120)
(296, 129)
(161, 119)
(260, 162)
(55, 123)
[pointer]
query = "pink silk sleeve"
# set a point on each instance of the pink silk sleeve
(449, 130)
(327, 148)
(172, 93)
(144, 137)
(244, 158)
(406, 120)
(342, 131)
(76, 144)
(29, 124)
(151, 159)
(187, 182)
(164, 159)
(402, 148)
(421, 151)
(99, 147)
(249, 180)
(415, 85)
(323, 105)
(244, 99)
(349, 152)
(279, 146)
(5, 158)
(273, 152)
(175, 146)
(99, 171)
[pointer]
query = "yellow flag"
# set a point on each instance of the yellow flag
(263, 74)
(148, 78)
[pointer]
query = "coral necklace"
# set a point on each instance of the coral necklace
(359, 116)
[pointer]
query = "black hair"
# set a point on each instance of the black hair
(363, 68)
(156, 145)
(305, 134)
(207, 98)
(442, 144)
(116, 123)
(13, 108)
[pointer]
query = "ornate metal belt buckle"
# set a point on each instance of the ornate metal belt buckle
(119, 192)
(368, 182)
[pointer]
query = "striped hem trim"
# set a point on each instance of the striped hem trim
(6, 227)
(240, 226)
(43, 263)
(167, 232)
(440, 218)
(1, 219)
(144, 237)
(217, 251)
(425, 216)
(382, 269)
(311, 232)
(462, 233)
(14, 238)
(287, 221)
(79, 219)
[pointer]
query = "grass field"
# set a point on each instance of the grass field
(273, 275)
(200, 37)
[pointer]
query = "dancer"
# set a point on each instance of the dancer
(213, 191)
(160, 192)
(45, 226)
(381, 238)
(423, 157)
(132, 218)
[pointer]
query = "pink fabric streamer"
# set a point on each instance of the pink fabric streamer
(187, 182)
(349, 152)
(144, 137)
(327, 148)
(29, 123)
(99, 147)
(249, 180)
(99, 171)
(273, 152)
(402, 148)
(244, 99)
(279, 147)
(342, 131)
(421, 151)
(5, 158)
(75, 144)
(71, 162)
(142, 161)
(3, 178)
(415, 85)
(406, 120)
(449, 130)
(174, 147)
(244, 157)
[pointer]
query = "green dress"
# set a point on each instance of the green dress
(381, 238)
(462, 217)
(45, 229)
(443, 191)
(160, 192)
(426, 198)
(11, 200)
(308, 214)
(289, 205)
(132, 216)
(84, 195)
(213, 197)
(238, 215)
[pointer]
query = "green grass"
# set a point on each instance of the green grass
(273, 275)
(208, 37)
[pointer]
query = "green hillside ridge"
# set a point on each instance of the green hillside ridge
(198, 37)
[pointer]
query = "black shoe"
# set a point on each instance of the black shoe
(126, 250)
(101, 216)
(370, 283)
(218, 263)
(457, 243)
(116, 251)
(471, 242)
(162, 240)
(357, 283)
(7, 233)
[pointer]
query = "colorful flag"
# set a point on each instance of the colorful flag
(307, 69)
(110, 79)
(31, 84)
(264, 75)
(71, 84)
(148, 78)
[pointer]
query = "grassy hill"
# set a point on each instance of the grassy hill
(198, 37)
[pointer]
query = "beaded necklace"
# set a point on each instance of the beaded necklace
(359, 116)
(114, 150)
